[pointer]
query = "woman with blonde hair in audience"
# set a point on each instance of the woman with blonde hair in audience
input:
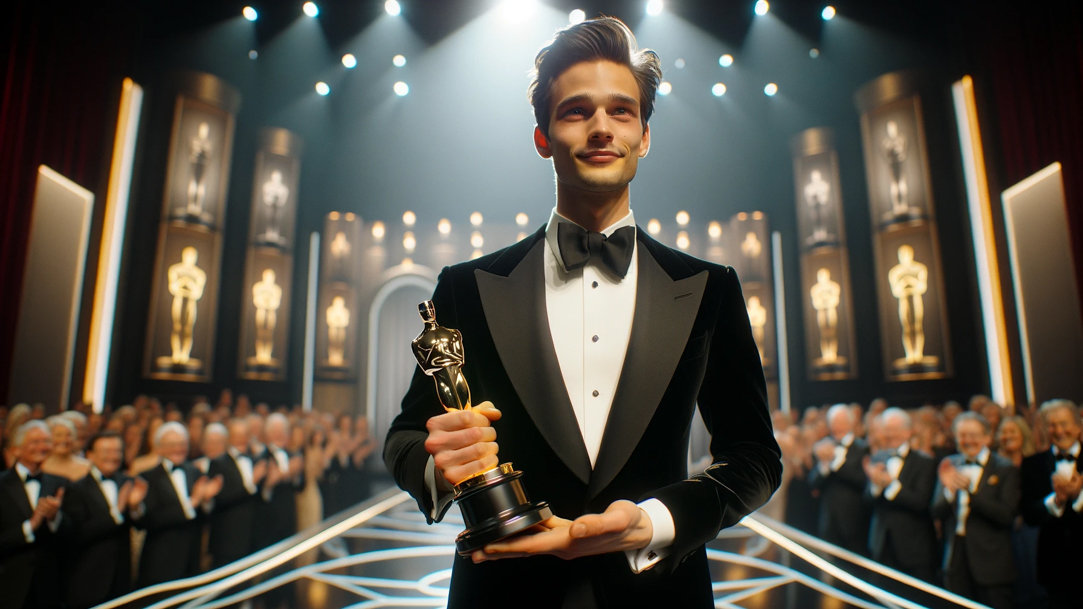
(1014, 439)
(63, 461)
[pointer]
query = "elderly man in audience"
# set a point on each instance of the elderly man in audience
(31, 523)
(176, 493)
(840, 478)
(214, 443)
(1052, 501)
(278, 513)
(233, 521)
(977, 498)
(901, 483)
(100, 506)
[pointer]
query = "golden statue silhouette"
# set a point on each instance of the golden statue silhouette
(267, 297)
(439, 353)
(338, 319)
(186, 282)
(825, 295)
(340, 245)
(275, 196)
(817, 194)
(751, 246)
(757, 318)
(199, 154)
(894, 148)
(909, 280)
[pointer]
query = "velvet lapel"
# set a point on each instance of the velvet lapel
(515, 311)
(665, 311)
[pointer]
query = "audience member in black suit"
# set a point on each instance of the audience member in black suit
(901, 483)
(977, 498)
(1052, 500)
(840, 479)
(31, 524)
(170, 513)
(278, 513)
(233, 522)
(98, 565)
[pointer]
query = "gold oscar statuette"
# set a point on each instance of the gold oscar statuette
(493, 503)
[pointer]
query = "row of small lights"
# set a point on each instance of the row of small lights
(653, 8)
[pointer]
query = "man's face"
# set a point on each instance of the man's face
(895, 432)
(840, 426)
(35, 448)
(238, 435)
(214, 445)
(596, 135)
(970, 437)
(173, 446)
(1063, 429)
(106, 455)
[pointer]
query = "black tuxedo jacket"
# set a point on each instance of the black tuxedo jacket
(232, 527)
(171, 547)
(277, 514)
(1059, 539)
(29, 572)
(97, 566)
(690, 342)
(905, 521)
(844, 514)
(993, 507)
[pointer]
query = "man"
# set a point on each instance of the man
(977, 498)
(595, 363)
(901, 484)
(31, 523)
(176, 493)
(840, 478)
(277, 515)
(1052, 501)
(100, 506)
(233, 519)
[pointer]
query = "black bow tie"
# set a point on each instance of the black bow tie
(1065, 456)
(972, 462)
(36, 476)
(577, 246)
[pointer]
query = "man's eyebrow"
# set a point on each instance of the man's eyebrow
(614, 97)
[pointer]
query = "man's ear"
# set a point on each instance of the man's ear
(541, 143)
(645, 143)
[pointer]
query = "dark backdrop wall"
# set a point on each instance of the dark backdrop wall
(460, 141)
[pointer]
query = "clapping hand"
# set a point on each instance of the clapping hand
(47, 508)
(951, 477)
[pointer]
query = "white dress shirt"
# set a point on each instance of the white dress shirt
(180, 485)
(1064, 468)
(244, 465)
(973, 473)
(33, 492)
(110, 492)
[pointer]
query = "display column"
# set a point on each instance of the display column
(750, 254)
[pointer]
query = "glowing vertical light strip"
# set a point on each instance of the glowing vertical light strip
(780, 325)
(310, 321)
(111, 250)
(981, 228)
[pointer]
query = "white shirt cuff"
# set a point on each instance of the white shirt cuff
(824, 467)
(950, 496)
(663, 532)
(892, 490)
(440, 496)
(1077, 505)
(1051, 505)
(836, 464)
(28, 531)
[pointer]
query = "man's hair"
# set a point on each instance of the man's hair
(604, 38)
(972, 416)
(103, 435)
(169, 427)
(898, 413)
(215, 429)
(20, 433)
(1056, 404)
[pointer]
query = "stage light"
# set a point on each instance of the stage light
(679, 63)
(654, 7)
(726, 60)
(521, 219)
(393, 8)
(714, 230)
(476, 240)
(253, 54)
(828, 13)
(250, 13)
(350, 216)
(517, 11)
(323, 88)
(334, 216)
(762, 7)
(770, 89)
(378, 231)
(577, 16)
(444, 226)
(813, 53)
(398, 61)
(682, 218)
(409, 243)
(664, 88)
(409, 218)
(401, 89)
(654, 226)
(683, 241)
(719, 89)
(349, 61)
(311, 9)
(476, 219)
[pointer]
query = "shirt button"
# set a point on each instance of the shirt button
(594, 284)
(594, 338)
(594, 393)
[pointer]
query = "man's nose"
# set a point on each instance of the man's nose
(600, 127)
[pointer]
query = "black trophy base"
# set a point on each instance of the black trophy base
(494, 506)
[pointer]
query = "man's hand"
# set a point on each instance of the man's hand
(463, 442)
(1066, 488)
(951, 477)
(623, 526)
(46, 509)
(877, 473)
(824, 450)
(137, 492)
(259, 470)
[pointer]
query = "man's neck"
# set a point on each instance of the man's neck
(594, 211)
(31, 467)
